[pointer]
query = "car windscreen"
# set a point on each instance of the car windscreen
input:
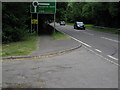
(63, 22)
(80, 23)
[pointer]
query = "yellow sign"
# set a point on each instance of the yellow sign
(34, 21)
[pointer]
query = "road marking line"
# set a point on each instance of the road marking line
(103, 57)
(112, 57)
(110, 39)
(88, 33)
(76, 39)
(98, 50)
(93, 51)
(81, 42)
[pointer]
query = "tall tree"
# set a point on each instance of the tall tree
(14, 20)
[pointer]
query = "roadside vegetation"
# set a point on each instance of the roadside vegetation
(16, 23)
(101, 29)
(70, 24)
(15, 26)
(58, 36)
(20, 48)
(105, 14)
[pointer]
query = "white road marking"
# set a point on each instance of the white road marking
(77, 40)
(110, 39)
(112, 57)
(81, 42)
(88, 33)
(92, 50)
(98, 50)
(103, 57)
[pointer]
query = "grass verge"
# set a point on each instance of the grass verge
(107, 30)
(58, 36)
(70, 24)
(20, 48)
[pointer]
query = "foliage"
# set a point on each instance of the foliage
(15, 16)
(61, 11)
(97, 13)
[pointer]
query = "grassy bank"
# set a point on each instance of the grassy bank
(58, 35)
(107, 30)
(70, 24)
(20, 48)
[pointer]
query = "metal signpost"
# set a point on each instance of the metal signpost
(43, 8)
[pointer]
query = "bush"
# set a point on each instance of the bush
(11, 34)
(15, 21)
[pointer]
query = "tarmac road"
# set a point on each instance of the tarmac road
(78, 69)
(104, 44)
(81, 68)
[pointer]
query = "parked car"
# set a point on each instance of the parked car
(79, 25)
(62, 22)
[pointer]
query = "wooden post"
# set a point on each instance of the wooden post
(31, 22)
(37, 23)
(54, 22)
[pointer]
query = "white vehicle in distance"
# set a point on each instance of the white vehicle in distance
(62, 22)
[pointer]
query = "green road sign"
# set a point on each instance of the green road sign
(43, 7)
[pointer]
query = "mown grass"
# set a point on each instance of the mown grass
(58, 36)
(107, 30)
(70, 23)
(20, 48)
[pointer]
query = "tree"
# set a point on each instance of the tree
(15, 16)
(61, 11)
(97, 13)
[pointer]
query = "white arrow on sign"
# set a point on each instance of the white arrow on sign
(35, 6)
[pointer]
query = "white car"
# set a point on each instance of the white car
(62, 22)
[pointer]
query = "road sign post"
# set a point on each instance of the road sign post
(44, 8)
(37, 23)
(31, 23)
(54, 22)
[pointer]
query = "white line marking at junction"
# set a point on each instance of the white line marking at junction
(80, 41)
(93, 51)
(77, 40)
(112, 57)
(103, 57)
(110, 39)
(98, 50)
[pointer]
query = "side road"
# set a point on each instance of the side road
(48, 46)
(78, 69)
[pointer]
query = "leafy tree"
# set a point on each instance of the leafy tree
(15, 16)
(97, 13)
(61, 11)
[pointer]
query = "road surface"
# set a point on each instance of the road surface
(85, 67)
(103, 44)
